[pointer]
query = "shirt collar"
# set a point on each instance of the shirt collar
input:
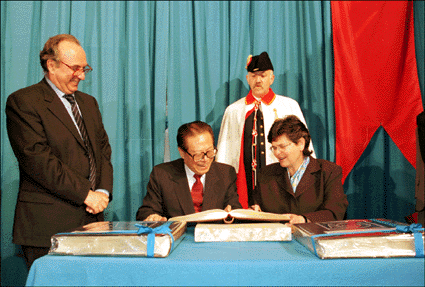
(267, 98)
(295, 179)
(190, 173)
(57, 91)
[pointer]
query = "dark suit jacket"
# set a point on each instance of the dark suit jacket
(168, 192)
(319, 195)
(53, 162)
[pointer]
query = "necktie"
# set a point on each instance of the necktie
(84, 136)
(197, 193)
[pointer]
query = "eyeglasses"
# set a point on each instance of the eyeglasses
(79, 70)
(200, 156)
(280, 147)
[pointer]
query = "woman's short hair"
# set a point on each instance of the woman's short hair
(191, 129)
(293, 128)
(50, 50)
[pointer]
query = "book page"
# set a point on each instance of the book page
(218, 214)
(203, 216)
(250, 214)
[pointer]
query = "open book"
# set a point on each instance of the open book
(229, 217)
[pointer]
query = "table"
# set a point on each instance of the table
(226, 263)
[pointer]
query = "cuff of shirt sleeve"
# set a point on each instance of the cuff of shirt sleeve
(103, 191)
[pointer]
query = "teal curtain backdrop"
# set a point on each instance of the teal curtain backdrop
(191, 55)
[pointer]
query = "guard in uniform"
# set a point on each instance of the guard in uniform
(246, 122)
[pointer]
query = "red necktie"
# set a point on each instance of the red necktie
(197, 193)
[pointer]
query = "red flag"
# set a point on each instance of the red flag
(376, 79)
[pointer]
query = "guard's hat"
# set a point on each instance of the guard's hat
(259, 63)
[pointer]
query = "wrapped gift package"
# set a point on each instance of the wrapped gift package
(115, 238)
(361, 238)
(242, 232)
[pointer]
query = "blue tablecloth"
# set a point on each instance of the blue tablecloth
(232, 263)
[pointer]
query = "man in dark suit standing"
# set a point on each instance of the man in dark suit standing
(63, 151)
(193, 183)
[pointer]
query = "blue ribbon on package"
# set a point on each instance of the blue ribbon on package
(415, 228)
(163, 229)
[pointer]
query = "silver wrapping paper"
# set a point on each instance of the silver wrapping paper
(242, 232)
(93, 239)
(356, 245)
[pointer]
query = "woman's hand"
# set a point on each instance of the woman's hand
(294, 218)
(255, 207)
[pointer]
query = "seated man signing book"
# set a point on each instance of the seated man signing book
(192, 183)
(305, 188)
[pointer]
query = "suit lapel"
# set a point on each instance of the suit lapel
(181, 188)
(87, 114)
(211, 181)
(284, 182)
(308, 178)
(56, 107)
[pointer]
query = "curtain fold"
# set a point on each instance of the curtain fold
(191, 55)
(377, 99)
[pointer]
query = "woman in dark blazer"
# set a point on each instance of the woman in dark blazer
(308, 189)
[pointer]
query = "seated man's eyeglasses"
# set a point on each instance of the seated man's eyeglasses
(79, 70)
(200, 156)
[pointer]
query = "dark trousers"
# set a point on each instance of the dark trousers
(31, 253)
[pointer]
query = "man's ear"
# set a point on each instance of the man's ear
(51, 65)
(181, 152)
(271, 78)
